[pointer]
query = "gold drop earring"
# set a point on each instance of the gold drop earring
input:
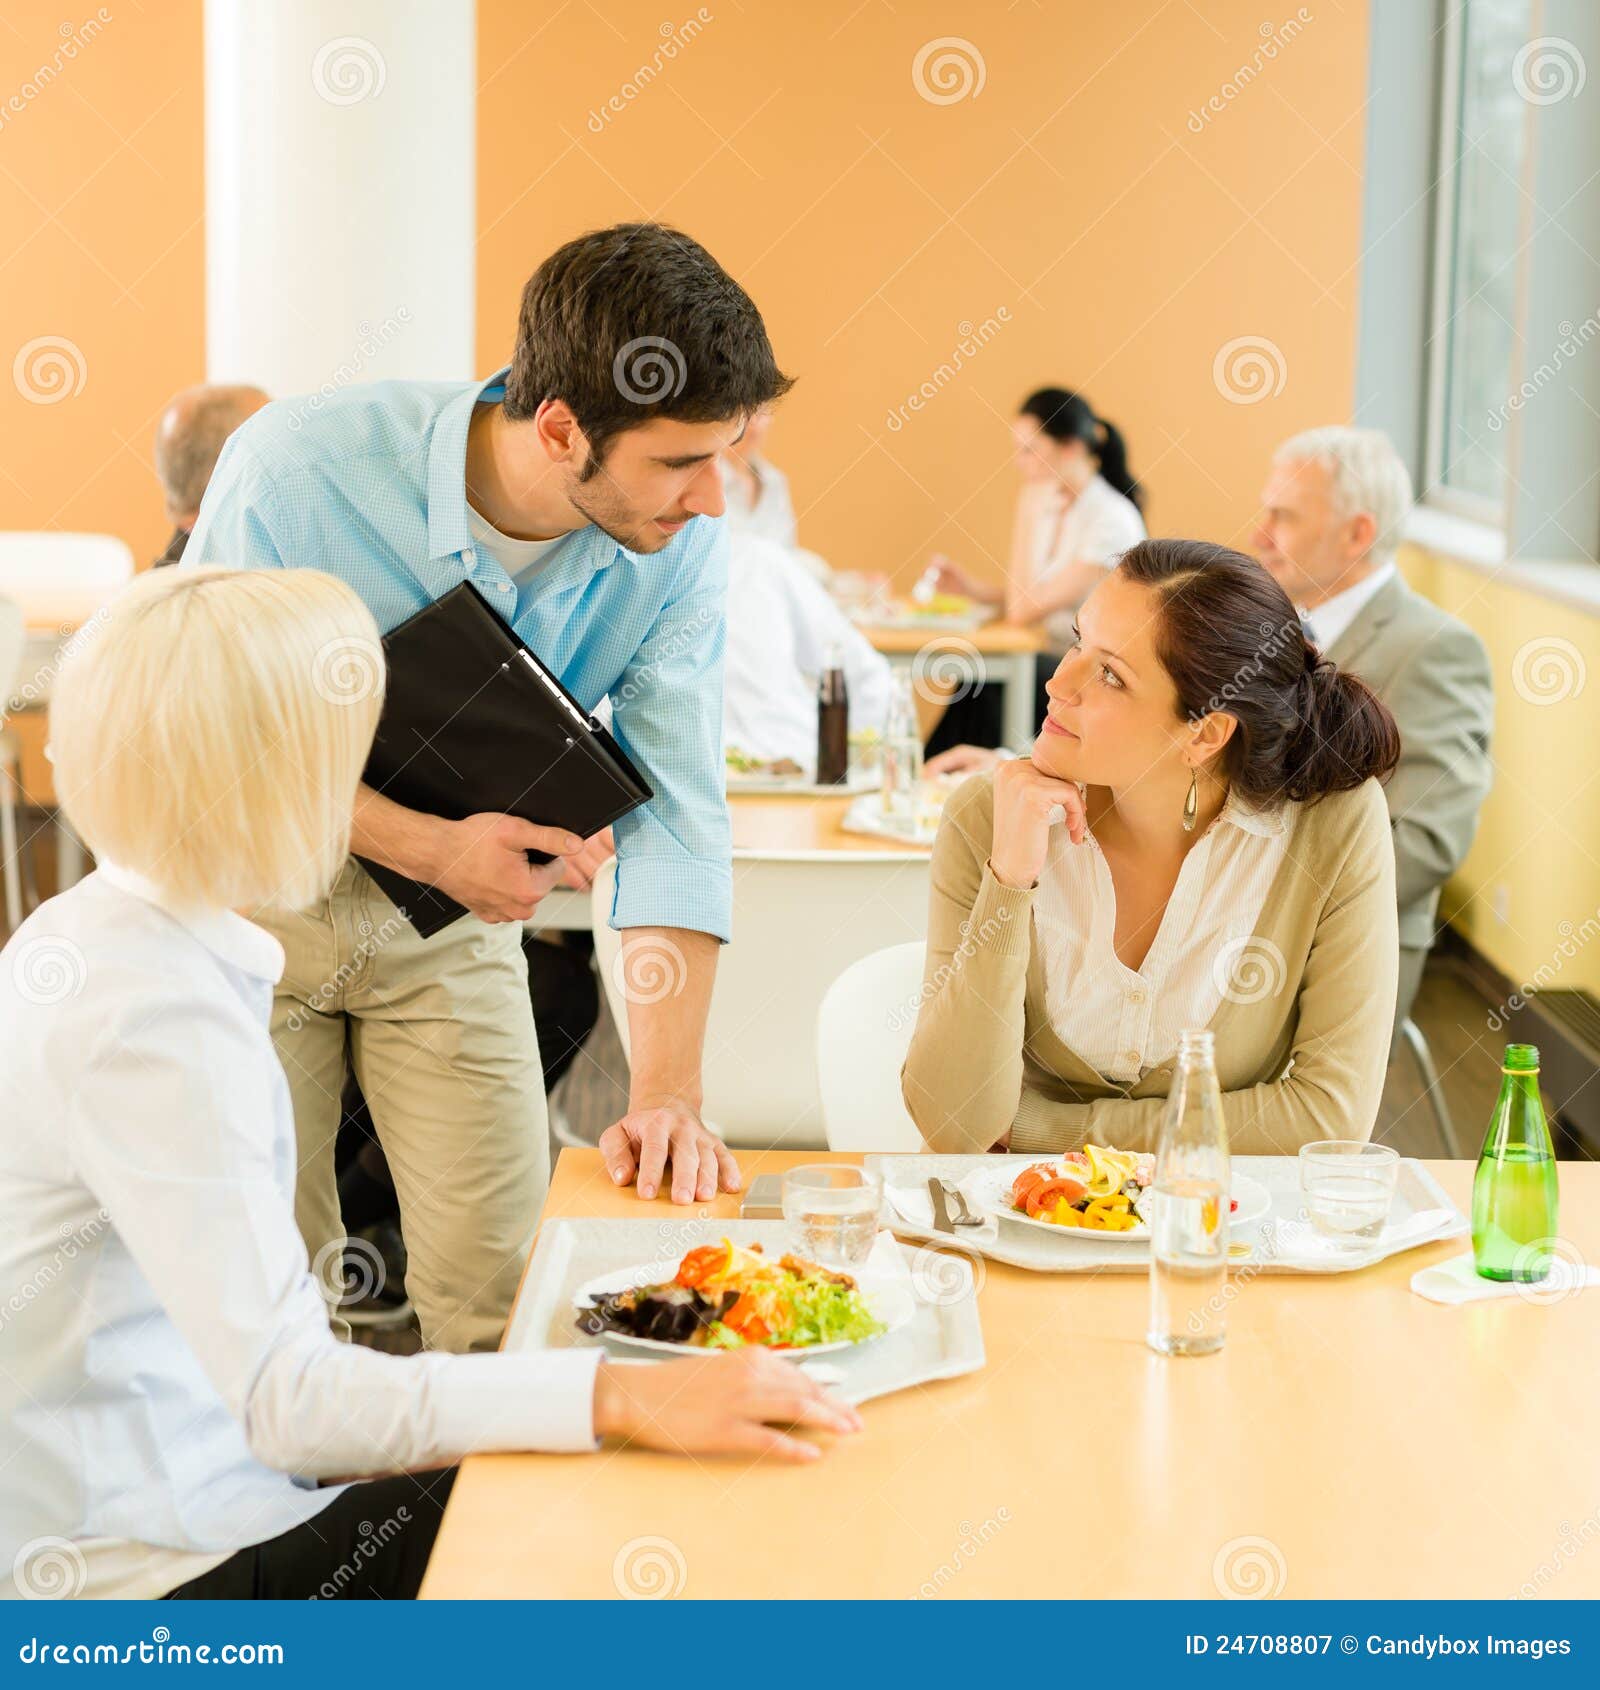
(1191, 804)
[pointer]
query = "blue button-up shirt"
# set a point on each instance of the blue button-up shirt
(370, 485)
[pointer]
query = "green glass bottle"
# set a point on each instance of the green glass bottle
(1515, 1198)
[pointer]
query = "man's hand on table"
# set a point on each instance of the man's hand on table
(717, 1404)
(646, 1141)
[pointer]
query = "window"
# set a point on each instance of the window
(1484, 116)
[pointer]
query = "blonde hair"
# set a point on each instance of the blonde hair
(209, 728)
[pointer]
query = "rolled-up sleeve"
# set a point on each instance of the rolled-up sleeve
(674, 854)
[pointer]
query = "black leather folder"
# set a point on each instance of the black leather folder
(474, 722)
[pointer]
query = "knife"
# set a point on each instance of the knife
(941, 1208)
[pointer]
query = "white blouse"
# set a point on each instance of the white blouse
(1097, 527)
(768, 511)
(171, 1390)
(781, 624)
(1122, 1021)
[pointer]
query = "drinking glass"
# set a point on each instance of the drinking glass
(1349, 1187)
(832, 1212)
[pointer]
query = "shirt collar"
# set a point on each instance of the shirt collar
(239, 943)
(448, 528)
(1267, 823)
(1330, 618)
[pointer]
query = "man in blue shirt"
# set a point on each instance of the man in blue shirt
(580, 491)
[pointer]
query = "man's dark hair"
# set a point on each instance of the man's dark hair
(636, 322)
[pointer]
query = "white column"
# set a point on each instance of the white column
(340, 191)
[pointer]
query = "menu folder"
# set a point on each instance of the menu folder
(474, 722)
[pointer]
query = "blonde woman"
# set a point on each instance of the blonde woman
(171, 1391)
(1198, 839)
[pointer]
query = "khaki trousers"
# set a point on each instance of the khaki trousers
(440, 1032)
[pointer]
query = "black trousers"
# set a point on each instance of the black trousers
(372, 1542)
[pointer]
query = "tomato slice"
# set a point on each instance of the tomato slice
(1044, 1196)
(699, 1265)
(1030, 1179)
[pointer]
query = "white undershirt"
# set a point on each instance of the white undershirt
(1123, 1021)
(520, 559)
(1332, 619)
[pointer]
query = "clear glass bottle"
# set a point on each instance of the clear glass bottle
(1189, 1223)
(1516, 1200)
(902, 753)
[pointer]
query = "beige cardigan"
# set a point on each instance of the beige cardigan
(1303, 1063)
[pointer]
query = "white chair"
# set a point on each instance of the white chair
(799, 918)
(864, 1029)
(13, 635)
(61, 581)
(51, 569)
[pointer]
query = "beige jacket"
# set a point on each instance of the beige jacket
(1302, 1061)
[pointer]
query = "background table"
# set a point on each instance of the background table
(769, 823)
(1351, 1440)
(1009, 654)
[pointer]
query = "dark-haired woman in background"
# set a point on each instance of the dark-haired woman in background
(1198, 839)
(1078, 511)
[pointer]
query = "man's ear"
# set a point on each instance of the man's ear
(1363, 530)
(558, 431)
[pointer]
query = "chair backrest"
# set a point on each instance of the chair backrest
(864, 1028)
(798, 920)
(13, 641)
(41, 565)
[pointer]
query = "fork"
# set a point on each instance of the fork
(961, 1211)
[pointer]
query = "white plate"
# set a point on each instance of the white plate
(889, 1300)
(993, 1193)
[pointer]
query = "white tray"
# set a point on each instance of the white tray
(1281, 1243)
(755, 785)
(943, 1340)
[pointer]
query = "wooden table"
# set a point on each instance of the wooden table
(1009, 653)
(1380, 1445)
(769, 823)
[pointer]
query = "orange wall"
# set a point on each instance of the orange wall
(869, 223)
(101, 200)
